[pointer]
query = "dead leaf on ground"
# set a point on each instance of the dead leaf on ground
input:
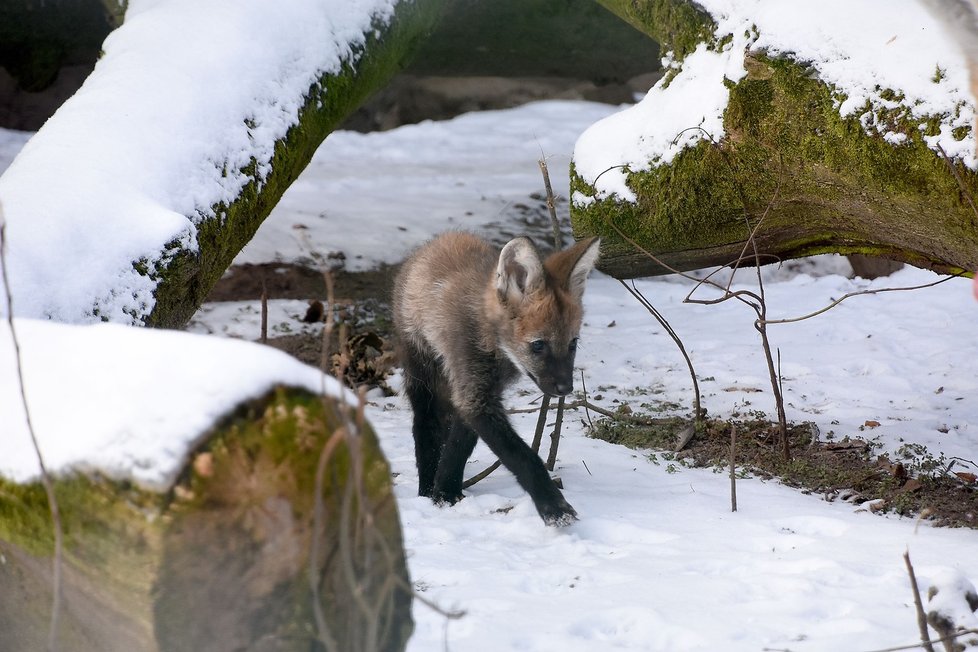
(911, 485)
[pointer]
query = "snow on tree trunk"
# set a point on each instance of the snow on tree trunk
(133, 199)
(836, 143)
(227, 559)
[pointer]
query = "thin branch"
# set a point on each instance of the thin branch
(482, 475)
(916, 646)
(587, 412)
(555, 436)
(849, 295)
(921, 616)
(541, 423)
(761, 327)
(324, 358)
(324, 635)
(264, 311)
(45, 476)
(733, 468)
(453, 614)
(551, 204)
(617, 416)
(641, 298)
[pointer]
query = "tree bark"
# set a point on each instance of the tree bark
(225, 560)
(161, 280)
(189, 276)
(821, 182)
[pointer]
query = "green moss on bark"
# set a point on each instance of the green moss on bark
(221, 561)
(677, 25)
(826, 184)
(187, 277)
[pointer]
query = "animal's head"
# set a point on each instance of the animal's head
(541, 301)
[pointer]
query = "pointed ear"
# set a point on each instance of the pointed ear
(519, 271)
(571, 266)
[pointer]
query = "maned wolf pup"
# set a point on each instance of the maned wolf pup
(469, 318)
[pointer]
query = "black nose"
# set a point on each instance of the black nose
(563, 389)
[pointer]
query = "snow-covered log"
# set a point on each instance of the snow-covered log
(131, 201)
(246, 506)
(846, 124)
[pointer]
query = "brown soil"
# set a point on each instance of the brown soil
(362, 326)
(290, 281)
(942, 491)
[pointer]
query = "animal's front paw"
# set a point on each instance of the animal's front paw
(442, 498)
(558, 515)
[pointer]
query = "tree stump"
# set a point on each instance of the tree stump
(281, 533)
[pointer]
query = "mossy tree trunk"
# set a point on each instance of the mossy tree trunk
(821, 182)
(227, 559)
(188, 276)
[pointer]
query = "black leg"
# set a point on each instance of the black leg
(451, 469)
(430, 429)
(493, 426)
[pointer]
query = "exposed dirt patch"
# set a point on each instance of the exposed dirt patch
(362, 323)
(940, 490)
(292, 281)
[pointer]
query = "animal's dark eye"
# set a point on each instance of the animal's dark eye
(537, 347)
(572, 346)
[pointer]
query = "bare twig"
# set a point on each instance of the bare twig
(917, 646)
(555, 436)
(551, 204)
(324, 359)
(357, 537)
(921, 616)
(617, 416)
(264, 311)
(482, 475)
(634, 291)
(46, 480)
(324, 635)
(733, 468)
(587, 412)
(849, 295)
(761, 326)
(966, 461)
(541, 423)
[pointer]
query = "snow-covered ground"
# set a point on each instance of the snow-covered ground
(657, 561)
